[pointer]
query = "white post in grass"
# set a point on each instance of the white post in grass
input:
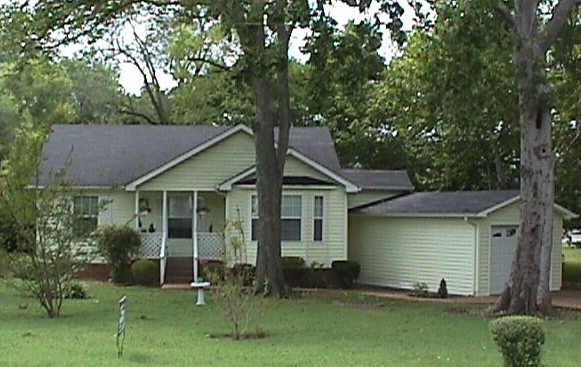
(195, 234)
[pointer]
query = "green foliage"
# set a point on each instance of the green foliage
(4, 263)
(347, 271)
(443, 289)
(145, 272)
(119, 245)
(294, 270)
(76, 290)
(419, 289)
(519, 339)
(213, 270)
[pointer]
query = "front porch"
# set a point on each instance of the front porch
(180, 229)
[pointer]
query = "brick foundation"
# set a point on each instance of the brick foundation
(99, 272)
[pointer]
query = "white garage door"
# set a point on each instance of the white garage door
(503, 245)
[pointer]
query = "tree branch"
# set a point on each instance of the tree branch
(561, 13)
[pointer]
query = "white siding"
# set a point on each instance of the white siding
(511, 216)
(398, 252)
(334, 244)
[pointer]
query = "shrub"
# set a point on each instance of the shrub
(294, 270)
(4, 264)
(246, 271)
(119, 245)
(76, 290)
(347, 271)
(145, 272)
(519, 339)
(213, 270)
(420, 289)
(443, 289)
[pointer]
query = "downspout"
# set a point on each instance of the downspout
(476, 257)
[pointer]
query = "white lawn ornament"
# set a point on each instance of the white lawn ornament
(200, 287)
(121, 326)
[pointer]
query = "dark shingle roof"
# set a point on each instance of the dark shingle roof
(453, 203)
(114, 155)
(378, 179)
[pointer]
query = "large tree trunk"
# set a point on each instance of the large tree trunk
(527, 291)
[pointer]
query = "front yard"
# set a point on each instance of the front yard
(166, 329)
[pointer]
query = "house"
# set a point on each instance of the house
(180, 185)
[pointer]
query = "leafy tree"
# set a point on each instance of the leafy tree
(42, 220)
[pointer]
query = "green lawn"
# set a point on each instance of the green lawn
(572, 266)
(166, 329)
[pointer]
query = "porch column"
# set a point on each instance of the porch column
(137, 210)
(164, 216)
(195, 234)
(162, 253)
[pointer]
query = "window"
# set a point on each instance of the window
(179, 216)
(291, 214)
(86, 213)
(318, 219)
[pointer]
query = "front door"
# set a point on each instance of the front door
(503, 244)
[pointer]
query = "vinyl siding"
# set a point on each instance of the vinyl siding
(334, 244)
(369, 196)
(206, 170)
(209, 168)
(398, 252)
(510, 215)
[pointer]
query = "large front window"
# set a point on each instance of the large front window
(179, 216)
(86, 215)
(291, 217)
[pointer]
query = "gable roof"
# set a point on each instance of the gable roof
(128, 155)
(447, 204)
(379, 179)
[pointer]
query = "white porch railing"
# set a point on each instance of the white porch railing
(151, 245)
(210, 246)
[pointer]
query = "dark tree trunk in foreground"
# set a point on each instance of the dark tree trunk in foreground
(527, 291)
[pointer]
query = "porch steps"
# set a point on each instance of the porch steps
(179, 270)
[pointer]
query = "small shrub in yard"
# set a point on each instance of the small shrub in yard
(294, 270)
(347, 271)
(519, 339)
(443, 289)
(237, 301)
(420, 289)
(76, 290)
(119, 245)
(214, 270)
(145, 272)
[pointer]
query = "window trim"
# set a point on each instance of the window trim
(85, 216)
(319, 217)
(301, 218)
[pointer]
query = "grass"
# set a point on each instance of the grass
(166, 329)
(572, 266)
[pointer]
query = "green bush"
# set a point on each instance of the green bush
(519, 339)
(246, 271)
(443, 289)
(145, 272)
(4, 264)
(76, 290)
(347, 271)
(213, 270)
(119, 245)
(294, 270)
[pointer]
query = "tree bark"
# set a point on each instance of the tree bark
(528, 288)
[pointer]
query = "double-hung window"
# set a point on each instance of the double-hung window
(318, 219)
(291, 218)
(86, 215)
(179, 216)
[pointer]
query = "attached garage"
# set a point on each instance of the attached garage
(467, 238)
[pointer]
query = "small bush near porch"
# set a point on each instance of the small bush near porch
(342, 329)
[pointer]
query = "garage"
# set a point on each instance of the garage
(465, 237)
(503, 244)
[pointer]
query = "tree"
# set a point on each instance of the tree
(48, 256)
(527, 291)
(263, 30)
